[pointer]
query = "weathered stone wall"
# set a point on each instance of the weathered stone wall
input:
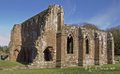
(71, 59)
(15, 43)
(110, 49)
(100, 47)
(103, 46)
(53, 21)
(71, 45)
(97, 44)
(86, 38)
(38, 33)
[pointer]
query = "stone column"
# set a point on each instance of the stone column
(60, 52)
(110, 49)
(15, 42)
(60, 18)
(81, 50)
(97, 50)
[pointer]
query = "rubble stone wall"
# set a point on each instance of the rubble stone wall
(43, 41)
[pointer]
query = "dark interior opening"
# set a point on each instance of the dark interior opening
(48, 53)
(69, 44)
(87, 46)
(27, 55)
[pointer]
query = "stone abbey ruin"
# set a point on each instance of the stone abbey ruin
(44, 41)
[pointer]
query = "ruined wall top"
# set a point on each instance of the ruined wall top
(16, 35)
(87, 32)
(16, 26)
(58, 7)
(46, 12)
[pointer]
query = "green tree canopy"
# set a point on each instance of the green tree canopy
(116, 34)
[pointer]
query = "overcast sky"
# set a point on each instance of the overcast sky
(102, 13)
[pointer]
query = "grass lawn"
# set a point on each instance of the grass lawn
(105, 69)
(9, 64)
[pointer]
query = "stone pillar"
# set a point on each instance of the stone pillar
(110, 49)
(81, 50)
(15, 43)
(60, 18)
(84, 50)
(60, 52)
(97, 50)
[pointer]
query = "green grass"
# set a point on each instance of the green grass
(117, 58)
(74, 70)
(9, 65)
(105, 69)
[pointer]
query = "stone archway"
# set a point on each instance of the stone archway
(48, 53)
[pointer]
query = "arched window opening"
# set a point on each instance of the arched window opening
(69, 44)
(48, 53)
(87, 46)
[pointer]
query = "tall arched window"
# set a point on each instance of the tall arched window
(87, 46)
(69, 44)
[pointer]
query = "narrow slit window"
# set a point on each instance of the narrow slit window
(69, 44)
(87, 46)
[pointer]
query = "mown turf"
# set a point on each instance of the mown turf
(105, 69)
(9, 65)
(74, 70)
